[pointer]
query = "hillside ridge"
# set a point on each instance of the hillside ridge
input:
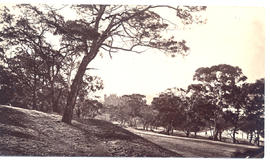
(32, 133)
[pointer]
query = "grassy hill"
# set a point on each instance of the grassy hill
(33, 133)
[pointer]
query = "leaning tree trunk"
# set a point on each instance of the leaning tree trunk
(72, 95)
(96, 44)
(71, 99)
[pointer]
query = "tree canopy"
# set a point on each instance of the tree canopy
(222, 87)
(97, 28)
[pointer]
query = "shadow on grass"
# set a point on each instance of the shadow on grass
(255, 153)
(128, 142)
(105, 130)
(14, 118)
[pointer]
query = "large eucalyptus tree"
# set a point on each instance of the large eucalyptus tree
(222, 87)
(110, 29)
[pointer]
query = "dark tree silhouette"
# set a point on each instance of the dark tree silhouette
(253, 121)
(171, 110)
(29, 55)
(200, 112)
(222, 84)
(149, 117)
(8, 86)
(134, 103)
(44, 68)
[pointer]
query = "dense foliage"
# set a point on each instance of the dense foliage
(221, 100)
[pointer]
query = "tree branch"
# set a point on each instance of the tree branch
(125, 49)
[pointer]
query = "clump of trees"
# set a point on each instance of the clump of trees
(222, 84)
(35, 73)
(220, 100)
(126, 109)
(170, 109)
(252, 121)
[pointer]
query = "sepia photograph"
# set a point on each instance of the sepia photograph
(132, 80)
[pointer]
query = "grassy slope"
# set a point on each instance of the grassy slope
(32, 133)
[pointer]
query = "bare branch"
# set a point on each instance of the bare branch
(131, 49)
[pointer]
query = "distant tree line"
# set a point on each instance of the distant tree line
(220, 100)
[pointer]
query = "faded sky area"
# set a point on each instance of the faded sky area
(232, 35)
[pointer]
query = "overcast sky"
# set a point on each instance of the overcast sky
(232, 35)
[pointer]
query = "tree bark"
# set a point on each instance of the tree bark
(215, 134)
(234, 133)
(34, 100)
(72, 96)
(172, 131)
(71, 100)
(220, 135)
(53, 100)
(216, 131)
(57, 110)
(52, 97)
(168, 129)
(235, 126)
(251, 137)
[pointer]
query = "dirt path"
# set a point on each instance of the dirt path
(190, 147)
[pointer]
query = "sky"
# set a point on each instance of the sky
(232, 35)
